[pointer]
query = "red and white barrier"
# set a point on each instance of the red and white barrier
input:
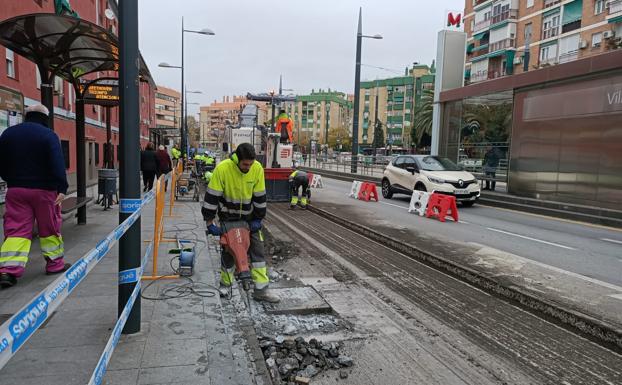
(419, 202)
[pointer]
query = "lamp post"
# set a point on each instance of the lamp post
(357, 91)
(183, 128)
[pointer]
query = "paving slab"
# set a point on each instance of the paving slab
(299, 300)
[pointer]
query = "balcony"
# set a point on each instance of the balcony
(479, 51)
(614, 7)
(479, 76)
(550, 3)
(502, 44)
(551, 32)
(481, 25)
(568, 56)
(508, 14)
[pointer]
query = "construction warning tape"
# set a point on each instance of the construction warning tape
(19, 328)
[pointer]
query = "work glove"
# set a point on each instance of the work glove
(255, 225)
(214, 230)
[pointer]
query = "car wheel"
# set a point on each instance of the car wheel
(386, 189)
(468, 203)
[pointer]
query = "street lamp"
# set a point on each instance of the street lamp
(183, 128)
(357, 90)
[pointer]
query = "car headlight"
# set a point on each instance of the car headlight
(436, 180)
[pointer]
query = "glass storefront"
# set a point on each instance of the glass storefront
(476, 126)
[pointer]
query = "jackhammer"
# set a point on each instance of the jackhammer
(236, 240)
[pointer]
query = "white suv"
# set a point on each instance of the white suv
(429, 173)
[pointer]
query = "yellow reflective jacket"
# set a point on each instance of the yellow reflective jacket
(234, 195)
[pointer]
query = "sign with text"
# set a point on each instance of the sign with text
(103, 93)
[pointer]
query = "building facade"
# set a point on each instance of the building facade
(20, 79)
(318, 115)
(397, 98)
(167, 113)
(508, 37)
(214, 119)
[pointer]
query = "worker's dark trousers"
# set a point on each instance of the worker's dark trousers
(259, 271)
(296, 184)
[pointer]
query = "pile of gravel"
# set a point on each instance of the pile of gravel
(297, 361)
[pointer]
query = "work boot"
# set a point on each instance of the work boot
(56, 266)
(265, 295)
(225, 291)
(7, 280)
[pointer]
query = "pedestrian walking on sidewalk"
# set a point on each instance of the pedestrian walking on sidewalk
(237, 192)
(149, 166)
(37, 184)
(164, 163)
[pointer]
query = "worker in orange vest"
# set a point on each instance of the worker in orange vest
(285, 127)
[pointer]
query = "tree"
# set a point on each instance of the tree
(194, 134)
(339, 136)
(378, 135)
(422, 122)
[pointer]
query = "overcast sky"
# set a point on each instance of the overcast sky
(312, 43)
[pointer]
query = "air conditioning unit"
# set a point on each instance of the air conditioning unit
(583, 44)
(608, 34)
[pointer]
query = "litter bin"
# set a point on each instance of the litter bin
(106, 186)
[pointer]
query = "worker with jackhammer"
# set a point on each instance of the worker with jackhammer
(237, 191)
(298, 179)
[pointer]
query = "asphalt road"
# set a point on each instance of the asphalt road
(588, 250)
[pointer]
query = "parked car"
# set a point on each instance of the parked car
(406, 173)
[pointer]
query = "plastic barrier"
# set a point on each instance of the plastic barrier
(368, 191)
(19, 328)
(177, 171)
(127, 276)
(441, 205)
(419, 202)
(316, 182)
(355, 189)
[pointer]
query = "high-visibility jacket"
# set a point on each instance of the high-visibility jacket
(298, 175)
(209, 160)
(284, 121)
(234, 195)
(176, 153)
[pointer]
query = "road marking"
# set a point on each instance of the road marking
(553, 218)
(531, 239)
(465, 222)
(398, 206)
(611, 240)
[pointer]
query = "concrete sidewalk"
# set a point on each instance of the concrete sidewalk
(191, 339)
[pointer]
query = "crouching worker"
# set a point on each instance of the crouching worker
(237, 192)
(298, 179)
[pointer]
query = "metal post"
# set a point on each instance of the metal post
(129, 170)
(357, 91)
(109, 155)
(183, 96)
(47, 94)
(81, 156)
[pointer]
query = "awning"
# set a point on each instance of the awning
(509, 62)
(572, 12)
(480, 36)
(617, 19)
(68, 46)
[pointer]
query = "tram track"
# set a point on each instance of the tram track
(500, 326)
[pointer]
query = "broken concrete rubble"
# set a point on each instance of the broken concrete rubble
(287, 363)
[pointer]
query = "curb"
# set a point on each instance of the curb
(606, 334)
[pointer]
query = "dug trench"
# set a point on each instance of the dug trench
(402, 322)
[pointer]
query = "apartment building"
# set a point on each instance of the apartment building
(168, 110)
(507, 37)
(314, 115)
(397, 98)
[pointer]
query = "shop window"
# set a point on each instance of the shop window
(96, 154)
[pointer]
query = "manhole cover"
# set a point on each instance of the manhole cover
(298, 300)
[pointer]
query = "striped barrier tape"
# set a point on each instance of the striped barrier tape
(102, 365)
(22, 325)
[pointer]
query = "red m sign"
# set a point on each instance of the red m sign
(454, 20)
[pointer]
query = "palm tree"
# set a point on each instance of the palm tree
(422, 122)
